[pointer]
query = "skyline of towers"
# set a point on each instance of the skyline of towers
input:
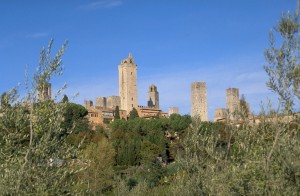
(153, 97)
(128, 84)
(199, 100)
(128, 96)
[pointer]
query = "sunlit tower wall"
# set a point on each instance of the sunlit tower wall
(44, 91)
(113, 102)
(153, 97)
(173, 110)
(232, 101)
(128, 84)
(88, 104)
(199, 100)
(101, 102)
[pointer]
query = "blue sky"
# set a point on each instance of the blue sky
(174, 43)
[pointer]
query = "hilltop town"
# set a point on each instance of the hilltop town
(103, 108)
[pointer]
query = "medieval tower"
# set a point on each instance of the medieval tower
(199, 100)
(44, 91)
(153, 97)
(128, 84)
(232, 101)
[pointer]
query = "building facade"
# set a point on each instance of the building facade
(88, 104)
(199, 100)
(113, 101)
(128, 84)
(153, 97)
(101, 102)
(44, 91)
(173, 110)
(232, 101)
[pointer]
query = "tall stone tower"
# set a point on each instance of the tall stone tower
(199, 100)
(232, 101)
(44, 91)
(128, 84)
(153, 97)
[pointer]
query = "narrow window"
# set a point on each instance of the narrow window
(131, 73)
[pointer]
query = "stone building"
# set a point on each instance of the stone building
(232, 101)
(199, 100)
(88, 104)
(98, 115)
(113, 101)
(108, 102)
(128, 84)
(153, 97)
(220, 114)
(150, 112)
(101, 102)
(173, 110)
(44, 91)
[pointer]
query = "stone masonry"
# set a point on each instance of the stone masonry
(199, 100)
(173, 110)
(232, 101)
(44, 91)
(128, 84)
(113, 101)
(101, 102)
(153, 97)
(220, 114)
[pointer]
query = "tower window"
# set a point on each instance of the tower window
(131, 73)
(132, 99)
(132, 105)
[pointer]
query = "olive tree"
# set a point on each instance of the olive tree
(283, 60)
(35, 159)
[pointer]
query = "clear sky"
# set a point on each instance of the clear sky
(173, 42)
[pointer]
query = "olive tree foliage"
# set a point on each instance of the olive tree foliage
(251, 160)
(35, 159)
(283, 66)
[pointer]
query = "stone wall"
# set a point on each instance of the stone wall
(153, 97)
(232, 101)
(128, 84)
(101, 102)
(199, 100)
(220, 114)
(88, 104)
(113, 101)
(173, 110)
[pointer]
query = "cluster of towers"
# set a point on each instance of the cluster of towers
(199, 102)
(128, 94)
(128, 97)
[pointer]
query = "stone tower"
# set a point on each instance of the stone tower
(44, 91)
(232, 101)
(101, 102)
(153, 97)
(199, 100)
(173, 110)
(128, 84)
(113, 102)
(88, 104)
